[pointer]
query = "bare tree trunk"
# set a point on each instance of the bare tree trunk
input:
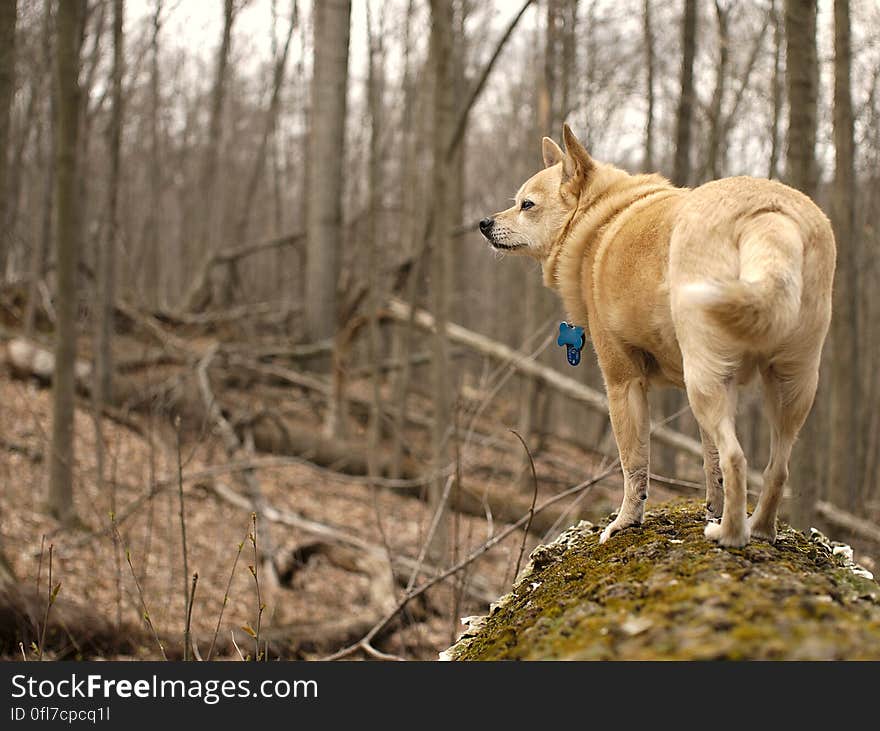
(106, 274)
(648, 30)
(105, 296)
(548, 124)
(150, 254)
(411, 129)
(326, 152)
(846, 381)
(802, 82)
(671, 401)
(441, 43)
(569, 57)
(375, 101)
(46, 161)
(716, 109)
(93, 29)
(7, 85)
(8, 11)
(67, 242)
(684, 116)
(258, 169)
(208, 180)
(776, 92)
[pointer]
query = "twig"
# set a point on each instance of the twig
(53, 593)
(146, 612)
(189, 609)
(40, 564)
(225, 600)
(435, 521)
(255, 573)
(186, 598)
(522, 548)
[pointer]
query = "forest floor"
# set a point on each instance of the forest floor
(90, 561)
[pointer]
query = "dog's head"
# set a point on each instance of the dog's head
(544, 202)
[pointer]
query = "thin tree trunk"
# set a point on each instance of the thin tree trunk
(102, 392)
(46, 158)
(17, 171)
(375, 101)
(569, 57)
(684, 116)
(671, 400)
(403, 337)
(67, 243)
(326, 152)
(208, 181)
(259, 167)
(106, 274)
(844, 480)
(776, 92)
(548, 123)
(150, 255)
(8, 11)
(648, 30)
(716, 108)
(802, 82)
(441, 43)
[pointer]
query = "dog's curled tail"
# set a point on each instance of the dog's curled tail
(763, 304)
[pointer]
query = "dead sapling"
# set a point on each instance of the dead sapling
(255, 633)
(225, 600)
(145, 613)
(186, 598)
(187, 635)
(528, 527)
(52, 596)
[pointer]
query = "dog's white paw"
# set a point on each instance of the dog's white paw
(616, 526)
(762, 531)
(724, 536)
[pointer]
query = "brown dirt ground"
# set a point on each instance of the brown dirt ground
(93, 572)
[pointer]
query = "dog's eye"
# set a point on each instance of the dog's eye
(526, 204)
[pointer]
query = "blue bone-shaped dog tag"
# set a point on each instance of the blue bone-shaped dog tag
(572, 337)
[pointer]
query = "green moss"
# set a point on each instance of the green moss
(664, 592)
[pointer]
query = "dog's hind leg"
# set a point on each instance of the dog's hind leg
(788, 401)
(713, 401)
(714, 480)
(628, 408)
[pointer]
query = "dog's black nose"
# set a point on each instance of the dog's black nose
(486, 225)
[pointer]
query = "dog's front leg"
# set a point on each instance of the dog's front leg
(628, 408)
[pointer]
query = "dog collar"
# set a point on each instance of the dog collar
(573, 338)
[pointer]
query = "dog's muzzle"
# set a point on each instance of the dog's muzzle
(486, 227)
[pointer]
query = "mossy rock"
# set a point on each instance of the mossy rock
(663, 592)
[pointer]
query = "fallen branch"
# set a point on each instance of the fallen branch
(233, 447)
(199, 294)
(479, 588)
(847, 521)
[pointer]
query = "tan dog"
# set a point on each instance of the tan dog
(700, 289)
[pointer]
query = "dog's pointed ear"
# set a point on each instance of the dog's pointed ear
(552, 152)
(577, 163)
